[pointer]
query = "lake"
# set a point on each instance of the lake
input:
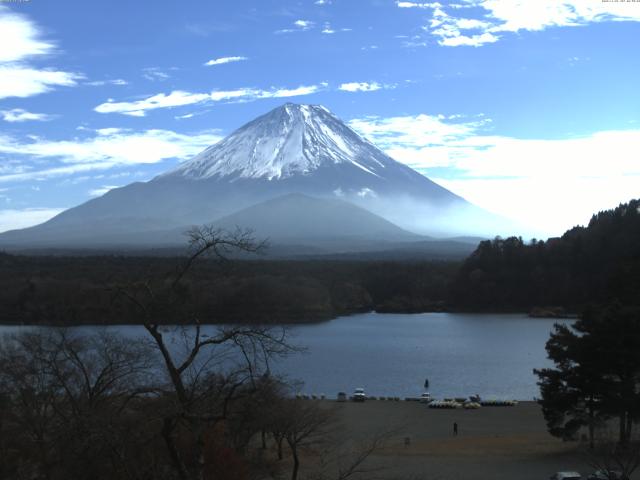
(391, 354)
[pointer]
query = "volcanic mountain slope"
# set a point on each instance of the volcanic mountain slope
(292, 149)
(300, 218)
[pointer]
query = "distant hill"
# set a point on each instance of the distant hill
(295, 226)
(297, 218)
(594, 264)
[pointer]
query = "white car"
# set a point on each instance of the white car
(359, 395)
(566, 476)
(426, 398)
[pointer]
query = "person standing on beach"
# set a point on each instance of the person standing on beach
(455, 429)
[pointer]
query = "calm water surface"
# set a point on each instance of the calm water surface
(392, 354)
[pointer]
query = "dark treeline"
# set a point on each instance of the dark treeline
(79, 290)
(587, 265)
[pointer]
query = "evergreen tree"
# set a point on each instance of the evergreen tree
(596, 374)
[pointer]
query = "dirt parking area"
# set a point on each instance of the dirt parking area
(492, 442)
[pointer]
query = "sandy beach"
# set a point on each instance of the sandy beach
(492, 442)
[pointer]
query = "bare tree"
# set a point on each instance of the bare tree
(306, 425)
(64, 401)
(615, 460)
(212, 370)
(344, 458)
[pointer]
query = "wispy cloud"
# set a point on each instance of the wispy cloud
(500, 17)
(506, 174)
(98, 192)
(21, 115)
(363, 87)
(298, 26)
(100, 83)
(223, 60)
(417, 5)
(107, 148)
(178, 98)
(327, 29)
(139, 107)
(16, 219)
(303, 24)
(155, 74)
(22, 81)
(22, 40)
(421, 141)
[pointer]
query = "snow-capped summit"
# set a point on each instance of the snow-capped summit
(289, 140)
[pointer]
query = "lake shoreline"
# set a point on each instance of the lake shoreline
(293, 323)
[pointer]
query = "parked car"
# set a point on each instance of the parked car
(342, 397)
(607, 475)
(426, 398)
(566, 476)
(359, 395)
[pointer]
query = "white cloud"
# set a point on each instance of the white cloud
(510, 16)
(16, 219)
(20, 40)
(515, 15)
(299, 26)
(552, 185)
(329, 30)
(155, 74)
(137, 108)
(98, 192)
(17, 80)
(417, 5)
(40, 158)
(20, 115)
(548, 207)
(420, 141)
(322, 2)
(304, 24)
(178, 98)
(291, 92)
(100, 83)
(223, 60)
(361, 87)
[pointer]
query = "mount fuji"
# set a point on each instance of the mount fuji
(294, 151)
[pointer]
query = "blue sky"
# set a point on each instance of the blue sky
(530, 109)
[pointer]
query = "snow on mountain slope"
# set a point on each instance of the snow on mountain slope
(292, 139)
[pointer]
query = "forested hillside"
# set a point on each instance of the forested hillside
(593, 264)
(82, 290)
